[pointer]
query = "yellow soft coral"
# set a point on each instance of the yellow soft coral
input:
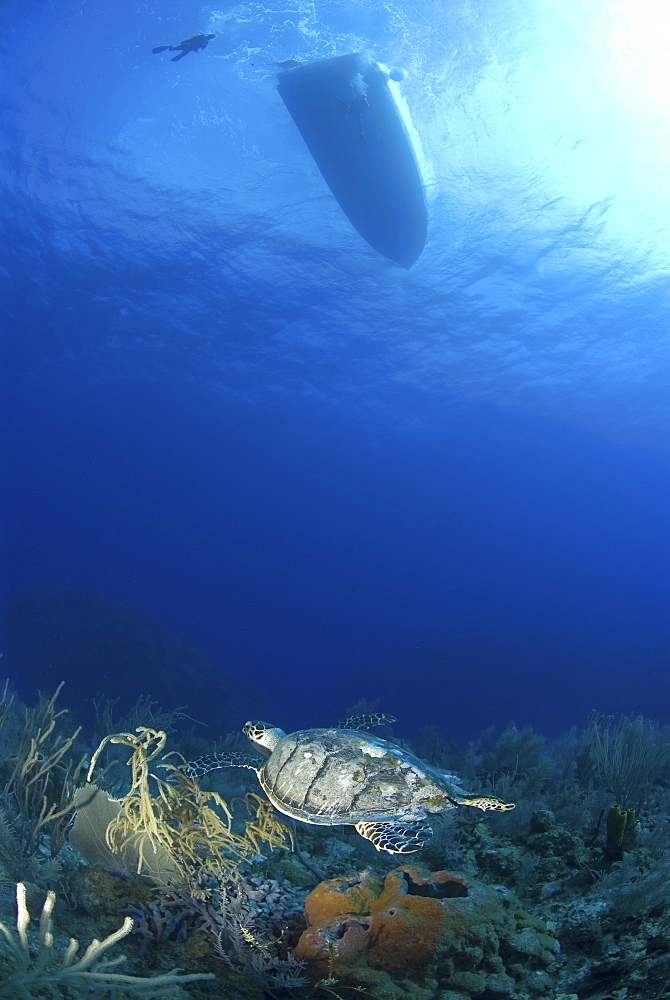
(173, 829)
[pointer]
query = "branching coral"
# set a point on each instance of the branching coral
(183, 838)
(175, 830)
(254, 922)
(628, 756)
(42, 779)
(45, 972)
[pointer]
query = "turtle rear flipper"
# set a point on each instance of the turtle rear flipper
(484, 802)
(397, 837)
(360, 722)
(212, 761)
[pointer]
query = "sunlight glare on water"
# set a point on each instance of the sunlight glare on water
(640, 37)
(575, 100)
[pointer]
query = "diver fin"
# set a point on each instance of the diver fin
(397, 837)
(181, 54)
(161, 48)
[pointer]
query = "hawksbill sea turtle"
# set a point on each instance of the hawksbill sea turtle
(345, 776)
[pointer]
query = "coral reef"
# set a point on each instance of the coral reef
(566, 897)
(434, 925)
(167, 828)
(40, 971)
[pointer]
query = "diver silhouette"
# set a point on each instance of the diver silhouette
(195, 44)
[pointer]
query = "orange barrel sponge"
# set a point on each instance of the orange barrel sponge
(402, 923)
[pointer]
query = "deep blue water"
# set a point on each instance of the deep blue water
(446, 489)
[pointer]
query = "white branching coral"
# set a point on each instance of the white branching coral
(41, 970)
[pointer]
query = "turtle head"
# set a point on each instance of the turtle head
(263, 736)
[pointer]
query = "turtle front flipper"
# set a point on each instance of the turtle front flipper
(397, 837)
(212, 761)
(484, 802)
(360, 722)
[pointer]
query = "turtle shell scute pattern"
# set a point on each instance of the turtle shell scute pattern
(335, 776)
